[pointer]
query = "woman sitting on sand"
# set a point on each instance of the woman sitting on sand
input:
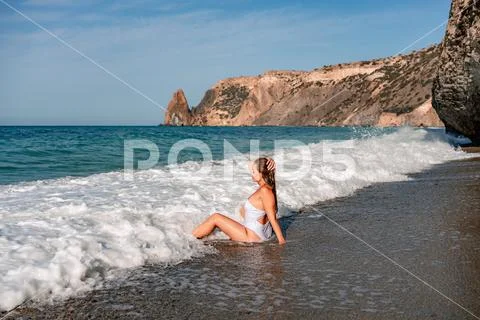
(259, 211)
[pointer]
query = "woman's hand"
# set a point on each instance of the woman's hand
(270, 164)
(282, 241)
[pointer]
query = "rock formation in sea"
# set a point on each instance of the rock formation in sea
(178, 112)
(456, 90)
(382, 92)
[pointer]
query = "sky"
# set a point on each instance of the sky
(93, 62)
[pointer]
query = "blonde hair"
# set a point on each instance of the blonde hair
(267, 175)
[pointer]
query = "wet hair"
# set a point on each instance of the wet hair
(267, 175)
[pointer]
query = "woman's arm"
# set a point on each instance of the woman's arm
(268, 200)
(242, 212)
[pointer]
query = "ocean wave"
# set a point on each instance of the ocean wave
(63, 236)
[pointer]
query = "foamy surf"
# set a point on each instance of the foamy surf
(63, 236)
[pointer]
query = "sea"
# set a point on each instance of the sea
(80, 204)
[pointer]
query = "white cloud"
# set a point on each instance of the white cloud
(55, 2)
(158, 6)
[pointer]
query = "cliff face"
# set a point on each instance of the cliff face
(390, 91)
(456, 91)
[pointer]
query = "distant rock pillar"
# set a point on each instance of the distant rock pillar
(178, 112)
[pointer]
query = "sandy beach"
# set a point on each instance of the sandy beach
(429, 226)
(471, 149)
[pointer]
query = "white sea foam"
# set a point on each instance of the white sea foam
(59, 237)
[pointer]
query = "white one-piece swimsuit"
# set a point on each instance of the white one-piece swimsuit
(252, 215)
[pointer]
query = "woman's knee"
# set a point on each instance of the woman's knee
(216, 215)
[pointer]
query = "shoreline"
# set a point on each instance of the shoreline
(322, 271)
(472, 150)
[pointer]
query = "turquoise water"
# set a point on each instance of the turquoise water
(37, 153)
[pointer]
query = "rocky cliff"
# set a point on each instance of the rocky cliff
(383, 92)
(456, 91)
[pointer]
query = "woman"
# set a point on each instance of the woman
(259, 211)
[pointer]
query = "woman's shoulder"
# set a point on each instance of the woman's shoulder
(266, 191)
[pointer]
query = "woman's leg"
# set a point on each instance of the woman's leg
(236, 231)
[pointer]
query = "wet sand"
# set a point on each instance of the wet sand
(429, 225)
(471, 149)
